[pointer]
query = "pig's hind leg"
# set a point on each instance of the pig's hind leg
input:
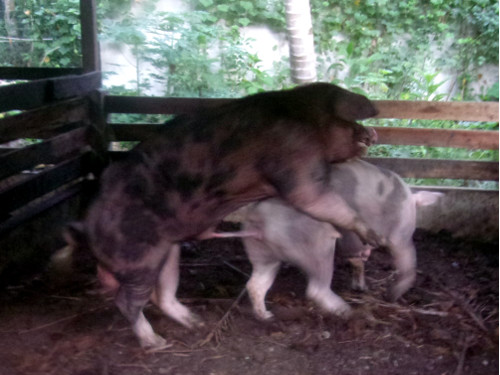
(264, 270)
(166, 288)
(405, 262)
(320, 272)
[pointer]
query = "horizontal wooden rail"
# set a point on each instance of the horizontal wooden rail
(15, 73)
(457, 111)
(43, 204)
(41, 92)
(418, 168)
(469, 139)
(47, 152)
(439, 168)
(157, 105)
(36, 185)
(40, 121)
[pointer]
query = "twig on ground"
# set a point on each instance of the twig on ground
(461, 360)
(222, 323)
(60, 320)
(236, 269)
(466, 306)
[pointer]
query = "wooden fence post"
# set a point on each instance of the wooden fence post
(90, 45)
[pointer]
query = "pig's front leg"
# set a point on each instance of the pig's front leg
(306, 186)
(326, 205)
(165, 293)
(357, 274)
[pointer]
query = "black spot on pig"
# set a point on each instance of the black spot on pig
(344, 182)
(169, 165)
(380, 188)
(186, 184)
(202, 133)
(230, 145)
(394, 201)
(139, 229)
(136, 186)
(321, 173)
(220, 178)
(159, 205)
(281, 175)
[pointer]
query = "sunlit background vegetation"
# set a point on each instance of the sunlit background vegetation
(407, 50)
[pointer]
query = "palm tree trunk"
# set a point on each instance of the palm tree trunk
(300, 40)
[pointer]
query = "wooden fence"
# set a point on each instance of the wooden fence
(57, 115)
(418, 168)
(43, 185)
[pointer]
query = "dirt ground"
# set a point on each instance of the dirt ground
(447, 324)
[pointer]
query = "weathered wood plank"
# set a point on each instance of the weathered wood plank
(35, 122)
(68, 87)
(157, 105)
(438, 168)
(34, 94)
(457, 111)
(41, 206)
(469, 139)
(418, 168)
(14, 73)
(42, 183)
(133, 132)
(90, 45)
(48, 152)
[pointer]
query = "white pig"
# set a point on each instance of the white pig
(274, 232)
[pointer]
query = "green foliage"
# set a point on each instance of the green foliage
(385, 46)
(244, 12)
(193, 56)
(41, 34)
(381, 48)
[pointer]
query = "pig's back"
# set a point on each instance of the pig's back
(380, 196)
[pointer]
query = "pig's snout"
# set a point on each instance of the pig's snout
(108, 281)
(368, 137)
(373, 135)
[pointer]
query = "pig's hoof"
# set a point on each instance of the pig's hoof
(358, 287)
(344, 311)
(264, 315)
(155, 342)
(373, 239)
(193, 321)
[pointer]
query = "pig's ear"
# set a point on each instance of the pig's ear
(426, 198)
(74, 234)
(351, 107)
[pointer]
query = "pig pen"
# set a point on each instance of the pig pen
(58, 322)
(53, 320)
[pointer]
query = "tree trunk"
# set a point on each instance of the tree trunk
(300, 40)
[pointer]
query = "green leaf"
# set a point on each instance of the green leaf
(223, 8)
(206, 3)
(244, 21)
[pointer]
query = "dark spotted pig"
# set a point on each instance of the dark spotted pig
(199, 168)
(274, 232)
